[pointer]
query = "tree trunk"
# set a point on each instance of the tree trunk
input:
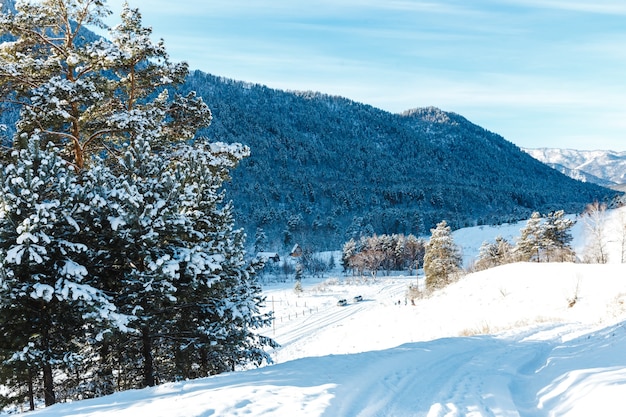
(148, 364)
(106, 374)
(48, 385)
(31, 391)
(48, 378)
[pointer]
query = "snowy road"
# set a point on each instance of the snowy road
(447, 377)
(471, 376)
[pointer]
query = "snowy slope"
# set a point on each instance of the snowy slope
(502, 342)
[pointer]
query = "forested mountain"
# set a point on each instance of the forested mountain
(600, 167)
(324, 168)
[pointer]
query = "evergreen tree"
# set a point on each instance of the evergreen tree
(348, 251)
(193, 300)
(50, 305)
(442, 261)
(260, 240)
(216, 287)
(88, 96)
(558, 237)
(124, 208)
(298, 287)
(145, 230)
(331, 261)
(530, 242)
(492, 254)
(546, 239)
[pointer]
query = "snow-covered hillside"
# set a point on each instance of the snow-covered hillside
(517, 340)
(591, 166)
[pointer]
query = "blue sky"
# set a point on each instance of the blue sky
(541, 73)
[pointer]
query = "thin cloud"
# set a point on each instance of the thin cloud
(611, 7)
(517, 67)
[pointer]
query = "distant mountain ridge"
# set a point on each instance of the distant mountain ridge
(605, 168)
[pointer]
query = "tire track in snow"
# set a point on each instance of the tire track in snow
(466, 377)
(311, 327)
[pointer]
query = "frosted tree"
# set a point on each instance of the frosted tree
(492, 254)
(386, 246)
(86, 94)
(529, 244)
(370, 256)
(260, 240)
(557, 237)
(50, 305)
(414, 252)
(442, 261)
(347, 253)
(594, 219)
(193, 301)
(216, 286)
(150, 227)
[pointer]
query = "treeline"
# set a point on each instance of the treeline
(542, 239)
(388, 253)
(548, 239)
(440, 257)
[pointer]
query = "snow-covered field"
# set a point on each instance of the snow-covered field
(517, 340)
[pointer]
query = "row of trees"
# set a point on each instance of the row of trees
(387, 252)
(542, 239)
(119, 263)
(440, 256)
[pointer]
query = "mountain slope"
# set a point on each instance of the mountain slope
(324, 169)
(600, 167)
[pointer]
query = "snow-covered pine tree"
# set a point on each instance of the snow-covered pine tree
(546, 239)
(492, 254)
(558, 237)
(91, 95)
(158, 236)
(442, 261)
(142, 239)
(194, 299)
(347, 253)
(529, 245)
(50, 306)
(260, 240)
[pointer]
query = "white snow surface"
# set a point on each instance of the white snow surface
(523, 339)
